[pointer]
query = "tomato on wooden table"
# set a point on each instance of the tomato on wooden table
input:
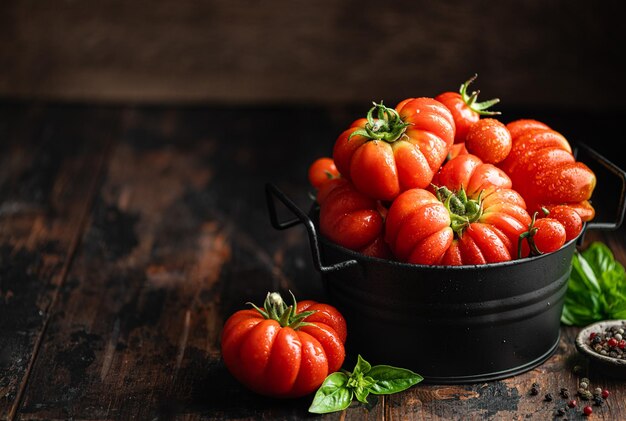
(284, 351)
(393, 150)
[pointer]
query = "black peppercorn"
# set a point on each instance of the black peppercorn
(548, 397)
(534, 390)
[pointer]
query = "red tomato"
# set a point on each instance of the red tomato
(569, 218)
(544, 170)
(490, 140)
(544, 235)
(583, 209)
(321, 170)
(351, 219)
(283, 351)
(456, 150)
(470, 173)
(474, 218)
(517, 127)
(464, 108)
(393, 150)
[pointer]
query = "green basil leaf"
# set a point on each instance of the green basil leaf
(362, 366)
(392, 379)
(583, 269)
(361, 394)
(596, 289)
(333, 395)
(600, 257)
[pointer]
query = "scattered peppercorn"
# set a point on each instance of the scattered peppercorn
(597, 400)
(534, 390)
(564, 393)
(586, 395)
(560, 411)
(587, 410)
(548, 397)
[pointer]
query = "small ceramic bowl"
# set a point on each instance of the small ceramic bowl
(603, 364)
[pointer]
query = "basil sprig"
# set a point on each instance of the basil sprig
(597, 287)
(338, 390)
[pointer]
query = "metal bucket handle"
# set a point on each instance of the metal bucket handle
(272, 192)
(619, 173)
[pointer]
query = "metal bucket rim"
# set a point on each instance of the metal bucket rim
(352, 254)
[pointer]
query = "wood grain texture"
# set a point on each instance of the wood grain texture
(177, 238)
(531, 53)
(50, 167)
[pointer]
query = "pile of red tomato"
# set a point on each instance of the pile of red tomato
(442, 181)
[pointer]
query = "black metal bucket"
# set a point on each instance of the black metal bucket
(462, 324)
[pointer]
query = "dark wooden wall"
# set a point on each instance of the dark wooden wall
(533, 53)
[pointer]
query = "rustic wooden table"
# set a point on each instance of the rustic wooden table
(128, 235)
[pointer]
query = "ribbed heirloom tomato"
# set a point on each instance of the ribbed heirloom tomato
(393, 150)
(284, 351)
(473, 217)
(544, 170)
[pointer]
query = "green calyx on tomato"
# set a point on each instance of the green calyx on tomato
(463, 210)
(387, 126)
(274, 308)
(480, 108)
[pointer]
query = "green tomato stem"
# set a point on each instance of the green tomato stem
(470, 100)
(463, 210)
(529, 236)
(274, 308)
(387, 125)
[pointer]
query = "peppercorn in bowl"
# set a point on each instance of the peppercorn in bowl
(604, 345)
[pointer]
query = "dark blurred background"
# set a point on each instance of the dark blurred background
(557, 60)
